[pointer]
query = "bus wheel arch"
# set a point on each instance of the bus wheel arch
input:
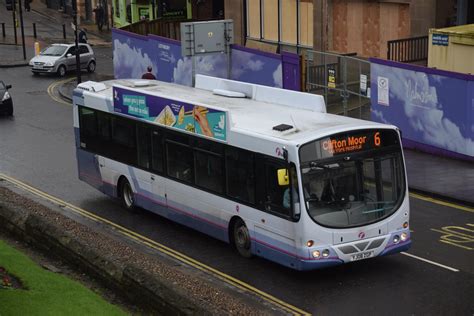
(125, 193)
(239, 237)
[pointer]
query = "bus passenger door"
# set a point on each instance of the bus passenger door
(274, 229)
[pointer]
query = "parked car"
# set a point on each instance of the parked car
(9, 5)
(61, 58)
(6, 102)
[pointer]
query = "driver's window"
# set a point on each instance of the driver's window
(275, 195)
(71, 50)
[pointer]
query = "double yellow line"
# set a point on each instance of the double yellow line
(52, 87)
(444, 203)
(161, 248)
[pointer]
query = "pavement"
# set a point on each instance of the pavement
(428, 174)
(11, 52)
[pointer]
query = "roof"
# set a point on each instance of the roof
(251, 116)
(463, 30)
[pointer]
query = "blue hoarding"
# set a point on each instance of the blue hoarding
(431, 107)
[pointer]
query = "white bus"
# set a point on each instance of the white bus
(264, 169)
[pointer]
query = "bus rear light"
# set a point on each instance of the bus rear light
(309, 243)
(316, 254)
(403, 236)
(405, 225)
(325, 253)
(396, 239)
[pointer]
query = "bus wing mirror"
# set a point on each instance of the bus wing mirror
(283, 177)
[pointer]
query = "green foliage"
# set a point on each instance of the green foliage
(47, 293)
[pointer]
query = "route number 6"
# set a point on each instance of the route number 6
(377, 139)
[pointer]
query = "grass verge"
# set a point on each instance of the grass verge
(47, 293)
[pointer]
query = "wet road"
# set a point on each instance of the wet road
(37, 147)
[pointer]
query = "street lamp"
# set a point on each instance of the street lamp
(78, 62)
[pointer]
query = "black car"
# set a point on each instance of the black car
(6, 103)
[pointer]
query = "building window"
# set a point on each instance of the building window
(306, 22)
(270, 20)
(287, 22)
(253, 18)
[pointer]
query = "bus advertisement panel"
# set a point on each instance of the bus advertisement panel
(192, 118)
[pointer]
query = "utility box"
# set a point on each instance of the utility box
(452, 48)
(206, 37)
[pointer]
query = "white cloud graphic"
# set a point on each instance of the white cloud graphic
(278, 77)
(130, 62)
(424, 111)
(213, 65)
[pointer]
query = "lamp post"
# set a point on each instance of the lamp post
(22, 29)
(78, 61)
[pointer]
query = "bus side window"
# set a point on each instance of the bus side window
(144, 146)
(240, 174)
(180, 160)
(88, 128)
(271, 194)
(157, 151)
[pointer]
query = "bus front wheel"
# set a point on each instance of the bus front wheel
(242, 241)
(127, 196)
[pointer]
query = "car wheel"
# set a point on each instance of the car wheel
(61, 71)
(91, 66)
(242, 241)
(10, 111)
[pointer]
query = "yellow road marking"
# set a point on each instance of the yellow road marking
(440, 202)
(161, 248)
(53, 86)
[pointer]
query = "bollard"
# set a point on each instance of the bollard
(3, 29)
(34, 30)
(64, 31)
(37, 48)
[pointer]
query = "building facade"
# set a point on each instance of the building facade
(343, 26)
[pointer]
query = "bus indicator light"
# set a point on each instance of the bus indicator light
(309, 243)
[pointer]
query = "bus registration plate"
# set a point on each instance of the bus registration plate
(362, 255)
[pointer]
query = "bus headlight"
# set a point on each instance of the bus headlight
(325, 253)
(396, 239)
(316, 254)
(403, 236)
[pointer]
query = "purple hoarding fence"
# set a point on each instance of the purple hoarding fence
(433, 108)
(291, 71)
(248, 65)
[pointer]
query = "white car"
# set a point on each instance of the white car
(61, 58)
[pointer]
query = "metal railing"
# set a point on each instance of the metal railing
(342, 79)
(408, 50)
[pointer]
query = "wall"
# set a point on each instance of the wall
(365, 27)
(433, 108)
(423, 16)
(234, 10)
(134, 53)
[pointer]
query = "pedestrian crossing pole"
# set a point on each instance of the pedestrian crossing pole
(22, 29)
(78, 62)
(14, 21)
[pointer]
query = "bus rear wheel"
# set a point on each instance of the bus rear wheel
(127, 196)
(242, 241)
